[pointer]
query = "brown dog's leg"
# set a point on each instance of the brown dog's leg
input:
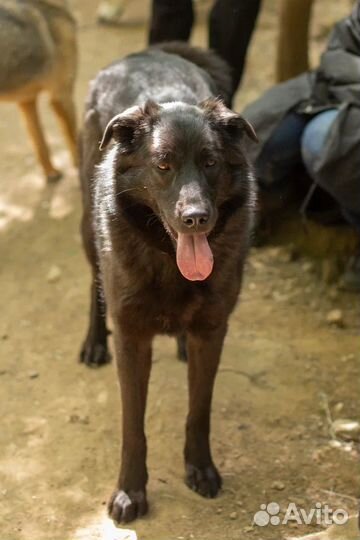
(65, 111)
(134, 364)
(30, 114)
(203, 360)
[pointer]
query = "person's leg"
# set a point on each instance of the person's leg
(171, 20)
(282, 151)
(312, 144)
(231, 25)
(314, 138)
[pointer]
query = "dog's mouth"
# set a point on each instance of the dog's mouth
(194, 257)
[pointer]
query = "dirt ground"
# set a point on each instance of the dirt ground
(285, 371)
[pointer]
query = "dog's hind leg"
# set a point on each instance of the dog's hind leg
(181, 347)
(64, 109)
(94, 351)
(203, 359)
(133, 354)
(32, 122)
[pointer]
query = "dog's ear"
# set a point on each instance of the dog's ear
(128, 127)
(226, 120)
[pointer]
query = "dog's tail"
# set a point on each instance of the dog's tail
(209, 61)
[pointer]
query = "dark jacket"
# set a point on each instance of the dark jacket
(335, 84)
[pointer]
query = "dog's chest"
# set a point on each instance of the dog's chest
(162, 310)
(176, 318)
(174, 310)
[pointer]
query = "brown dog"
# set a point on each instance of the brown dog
(38, 44)
(167, 218)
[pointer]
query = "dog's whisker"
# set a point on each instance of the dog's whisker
(126, 190)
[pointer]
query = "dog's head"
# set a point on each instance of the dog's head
(182, 161)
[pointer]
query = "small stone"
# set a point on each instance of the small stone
(335, 444)
(280, 297)
(78, 419)
(233, 515)
(256, 264)
(274, 252)
(283, 254)
(348, 447)
(348, 430)
(248, 529)
(277, 484)
(307, 266)
(338, 407)
(335, 317)
(347, 357)
(33, 374)
(252, 286)
(53, 274)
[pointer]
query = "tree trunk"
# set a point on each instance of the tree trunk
(292, 54)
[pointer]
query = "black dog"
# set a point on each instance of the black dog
(168, 212)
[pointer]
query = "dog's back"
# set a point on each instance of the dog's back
(171, 70)
(215, 67)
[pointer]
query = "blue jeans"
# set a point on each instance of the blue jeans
(314, 137)
(298, 139)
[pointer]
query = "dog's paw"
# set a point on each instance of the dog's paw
(205, 481)
(124, 507)
(94, 355)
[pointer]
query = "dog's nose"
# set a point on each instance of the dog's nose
(194, 218)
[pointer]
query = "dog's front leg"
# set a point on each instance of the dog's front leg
(133, 354)
(203, 359)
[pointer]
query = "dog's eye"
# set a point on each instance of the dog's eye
(163, 167)
(210, 162)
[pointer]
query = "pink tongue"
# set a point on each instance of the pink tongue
(194, 257)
